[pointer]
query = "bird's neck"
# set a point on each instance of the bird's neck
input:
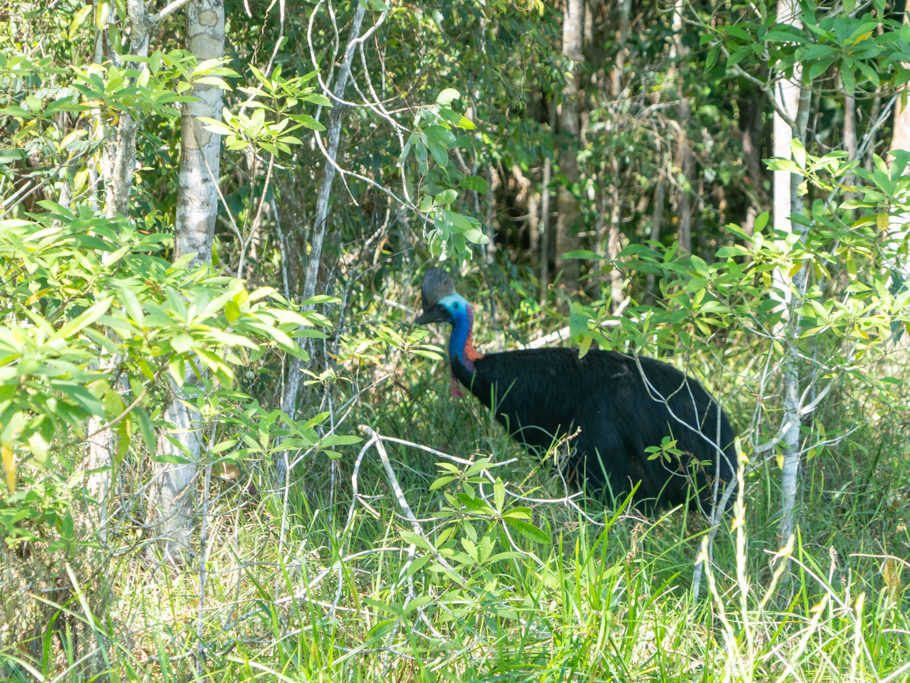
(461, 348)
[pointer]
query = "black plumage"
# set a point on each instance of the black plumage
(612, 405)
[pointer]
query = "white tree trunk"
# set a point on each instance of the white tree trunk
(787, 289)
(197, 196)
(197, 206)
(684, 160)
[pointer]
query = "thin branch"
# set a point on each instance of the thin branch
(167, 10)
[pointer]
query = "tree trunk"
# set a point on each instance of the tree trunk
(616, 72)
(657, 213)
(489, 249)
(546, 240)
(790, 102)
(678, 53)
(849, 125)
(751, 115)
(613, 239)
(569, 134)
(197, 194)
(545, 228)
(197, 206)
(614, 246)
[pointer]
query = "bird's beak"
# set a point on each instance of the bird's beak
(432, 316)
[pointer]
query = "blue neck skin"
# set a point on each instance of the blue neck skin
(462, 322)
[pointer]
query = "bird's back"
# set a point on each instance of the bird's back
(619, 405)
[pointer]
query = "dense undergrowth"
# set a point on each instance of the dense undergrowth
(436, 549)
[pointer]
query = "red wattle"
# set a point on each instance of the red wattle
(454, 387)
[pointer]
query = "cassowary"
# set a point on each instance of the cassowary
(611, 406)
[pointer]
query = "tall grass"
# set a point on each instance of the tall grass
(424, 565)
(438, 550)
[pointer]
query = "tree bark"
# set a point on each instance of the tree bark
(569, 133)
(197, 207)
(197, 193)
(616, 73)
(789, 96)
(657, 213)
(610, 191)
(752, 105)
(684, 160)
(546, 241)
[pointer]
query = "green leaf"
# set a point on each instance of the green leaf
(215, 126)
(529, 531)
(698, 265)
(869, 73)
(9, 156)
(476, 236)
(785, 34)
(465, 123)
(817, 51)
(711, 58)
(439, 153)
(440, 136)
(77, 20)
(499, 495)
(102, 13)
(445, 198)
(799, 153)
(340, 440)
(80, 396)
(124, 430)
(317, 98)
(412, 538)
(518, 513)
(113, 404)
(474, 183)
(578, 321)
(87, 317)
(182, 343)
(441, 481)
(172, 459)
(447, 96)
(784, 165)
(381, 629)
(582, 254)
(131, 303)
(38, 445)
(308, 121)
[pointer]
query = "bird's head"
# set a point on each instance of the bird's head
(449, 309)
(441, 303)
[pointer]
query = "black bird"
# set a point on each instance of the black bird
(611, 405)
